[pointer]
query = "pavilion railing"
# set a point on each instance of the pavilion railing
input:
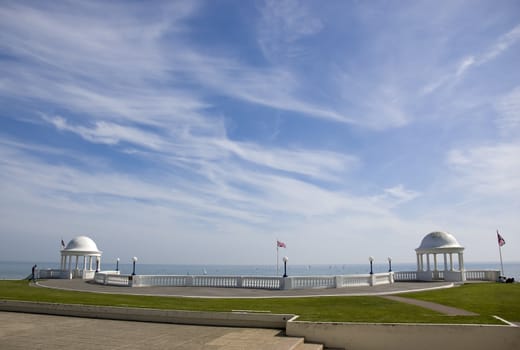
(471, 275)
(405, 276)
(51, 274)
(482, 275)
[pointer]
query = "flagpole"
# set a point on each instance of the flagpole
(277, 247)
(501, 263)
(501, 242)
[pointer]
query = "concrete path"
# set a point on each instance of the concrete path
(447, 310)
(204, 292)
(30, 331)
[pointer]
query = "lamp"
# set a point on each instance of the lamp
(134, 259)
(117, 264)
(285, 259)
(389, 264)
(371, 259)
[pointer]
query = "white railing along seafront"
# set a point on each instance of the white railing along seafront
(114, 278)
(470, 275)
(254, 282)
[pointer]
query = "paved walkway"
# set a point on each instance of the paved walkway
(29, 331)
(204, 292)
(447, 310)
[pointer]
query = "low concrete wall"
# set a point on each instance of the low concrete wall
(359, 336)
(230, 319)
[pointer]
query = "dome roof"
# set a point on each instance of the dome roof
(82, 244)
(439, 240)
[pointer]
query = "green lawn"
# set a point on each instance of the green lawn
(495, 299)
(501, 299)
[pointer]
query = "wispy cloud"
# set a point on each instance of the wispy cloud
(508, 118)
(153, 120)
(282, 24)
(108, 133)
(474, 60)
(400, 194)
(490, 170)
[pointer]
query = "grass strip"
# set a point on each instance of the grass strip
(331, 309)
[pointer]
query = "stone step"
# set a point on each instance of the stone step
(308, 346)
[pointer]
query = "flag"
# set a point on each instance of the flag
(501, 240)
(280, 244)
(62, 244)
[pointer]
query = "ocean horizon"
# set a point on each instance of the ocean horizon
(22, 269)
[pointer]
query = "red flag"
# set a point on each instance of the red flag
(280, 244)
(501, 240)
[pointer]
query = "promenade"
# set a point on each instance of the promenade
(198, 292)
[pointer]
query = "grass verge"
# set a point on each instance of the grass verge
(333, 309)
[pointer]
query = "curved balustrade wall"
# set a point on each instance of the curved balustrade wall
(256, 282)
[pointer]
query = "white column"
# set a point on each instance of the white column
(451, 261)
(428, 261)
(76, 264)
(84, 262)
(90, 263)
(418, 262)
(445, 262)
(461, 261)
(435, 262)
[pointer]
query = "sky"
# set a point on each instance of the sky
(200, 132)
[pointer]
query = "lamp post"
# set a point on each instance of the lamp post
(97, 264)
(371, 259)
(285, 259)
(134, 259)
(389, 264)
(117, 264)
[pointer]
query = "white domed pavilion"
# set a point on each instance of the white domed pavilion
(440, 243)
(81, 258)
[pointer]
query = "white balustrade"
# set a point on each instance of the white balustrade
(482, 275)
(264, 282)
(354, 281)
(51, 273)
(305, 282)
(471, 275)
(405, 276)
(254, 282)
(381, 278)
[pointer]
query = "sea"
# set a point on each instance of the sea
(22, 269)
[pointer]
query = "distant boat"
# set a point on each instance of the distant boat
(205, 272)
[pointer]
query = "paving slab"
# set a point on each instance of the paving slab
(31, 331)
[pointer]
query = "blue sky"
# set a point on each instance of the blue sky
(202, 131)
